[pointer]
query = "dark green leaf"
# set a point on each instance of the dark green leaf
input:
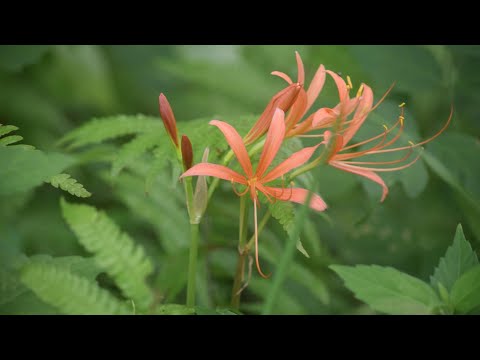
(458, 259)
(388, 290)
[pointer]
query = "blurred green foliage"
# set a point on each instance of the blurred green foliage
(48, 91)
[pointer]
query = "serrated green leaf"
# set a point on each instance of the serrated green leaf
(98, 130)
(16, 298)
(70, 293)
(67, 183)
(114, 251)
(465, 295)
(7, 129)
(388, 290)
(10, 140)
(458, 259)
(23, 169)
(133, 150)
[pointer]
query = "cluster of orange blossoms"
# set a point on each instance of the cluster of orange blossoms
(284, 118)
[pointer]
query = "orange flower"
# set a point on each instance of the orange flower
(283, 100)
(342, 160)
(255, 181)
(304, 100)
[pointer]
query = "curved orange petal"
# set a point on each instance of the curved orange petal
(315, 86)
(301, 69)
(324, 117)
(295, 160)
(297, 195)
(284, 99)
(236, 143)
(274, 140)
(364, 106)
(297, 110)
(365, 173)
(341, 85)
(219, 171)
(283, 76)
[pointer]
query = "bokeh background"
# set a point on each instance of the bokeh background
(48, 91)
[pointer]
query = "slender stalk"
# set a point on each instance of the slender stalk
(192, 265)
(242, 238)
(262, 224)
(287, 258)
(192, 260)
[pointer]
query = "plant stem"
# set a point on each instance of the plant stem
(287, 257)
(192, 265)
(192, 260)
(242, 237)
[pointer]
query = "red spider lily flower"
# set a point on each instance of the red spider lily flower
(283, 100)
(343, 160)
(304, 100)
(255, 181)
(362, 102)
(166, 113)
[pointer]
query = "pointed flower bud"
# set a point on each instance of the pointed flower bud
(166, 113)
(187, 152)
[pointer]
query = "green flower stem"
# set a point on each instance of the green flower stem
(287, 258)
(192, 265)
(242, 238)
(192, 262)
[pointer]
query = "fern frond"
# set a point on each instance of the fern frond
(7, 129)
(67, 183)
(133, 150)
(114, 251)
(100, 129)
(71, 294)
(10, 140)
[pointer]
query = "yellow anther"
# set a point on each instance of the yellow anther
(385, 127)
(360, 91)
(411, 143)
(401, 105)
(401, 118)
(292, 183)
(349, 81)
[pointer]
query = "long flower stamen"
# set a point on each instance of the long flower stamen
(383, 97)
(257, 262)
(381, 162)
(424, 141)
(238, 192)
(384, 170)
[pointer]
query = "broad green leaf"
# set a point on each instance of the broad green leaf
(414, 68)
(465, 295)
(22, 169)
(458, 259)
(388, 290)
(14, 57)
(452, 156)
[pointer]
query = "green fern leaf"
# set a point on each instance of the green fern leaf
(133, 150)
(67, 183)
(10, 140)
(100, 129)
(7, 129)
(114, 251)
(70, 293)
